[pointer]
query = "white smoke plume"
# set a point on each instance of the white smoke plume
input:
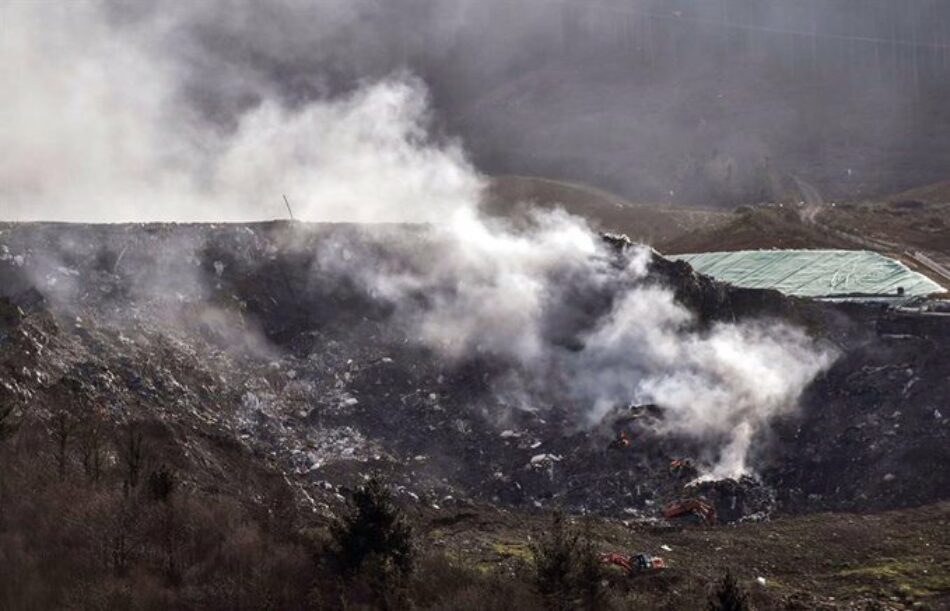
(492, 289)
(96, 132)
(94, 110)
(725, 383)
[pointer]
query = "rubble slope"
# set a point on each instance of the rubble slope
(233, 340)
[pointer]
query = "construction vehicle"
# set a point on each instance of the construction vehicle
(636, 564)
(697, 508)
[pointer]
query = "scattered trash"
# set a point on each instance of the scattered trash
(540, 461)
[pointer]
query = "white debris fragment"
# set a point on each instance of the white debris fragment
(666, 548)
(218, 268)
(509, 434)
(760, 580)
(890, 477)
(544, 460)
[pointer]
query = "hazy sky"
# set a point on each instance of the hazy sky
(151, 108)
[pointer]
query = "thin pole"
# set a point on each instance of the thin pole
(286, 201)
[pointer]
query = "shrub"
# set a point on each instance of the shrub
(372, 547)
(567, 571)
(373, 527)
(161, 484)
(728, 596)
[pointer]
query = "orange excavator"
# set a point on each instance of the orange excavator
(636, 564)
(690, 507)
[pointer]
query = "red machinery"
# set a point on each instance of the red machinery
(687, 507)
(638, 563)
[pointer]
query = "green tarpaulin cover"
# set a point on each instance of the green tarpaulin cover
(813, 273)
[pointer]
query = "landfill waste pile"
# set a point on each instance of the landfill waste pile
(241, 338)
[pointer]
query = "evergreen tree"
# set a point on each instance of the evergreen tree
(728, 596)
(372, 529)
(555, 565)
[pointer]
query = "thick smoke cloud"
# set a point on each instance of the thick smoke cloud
(580, 329)
(726, 383)
(661, 100)
(98, 109)
(108, 128)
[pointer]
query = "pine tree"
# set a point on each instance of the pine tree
(590, 571)
(728, 596)
(373, 528)
(555, 565)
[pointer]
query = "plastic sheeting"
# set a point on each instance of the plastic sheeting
(814, 273)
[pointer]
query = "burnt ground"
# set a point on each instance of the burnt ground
(246, 361)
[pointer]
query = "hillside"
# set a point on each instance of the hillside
(900, 227)
(270, 387)
(649, 223)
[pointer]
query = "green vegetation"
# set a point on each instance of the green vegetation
(372, 548)
(567, 571)
(518, 551)
(914, 578)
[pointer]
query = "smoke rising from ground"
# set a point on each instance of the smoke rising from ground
(107, 129)
(98, 110)
(580, 328)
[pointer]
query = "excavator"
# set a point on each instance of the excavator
(690, 507)
(636, 564)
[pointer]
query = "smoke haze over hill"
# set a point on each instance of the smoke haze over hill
(659, 100)
(155, 115)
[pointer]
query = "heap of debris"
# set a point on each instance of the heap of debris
(232, 337)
